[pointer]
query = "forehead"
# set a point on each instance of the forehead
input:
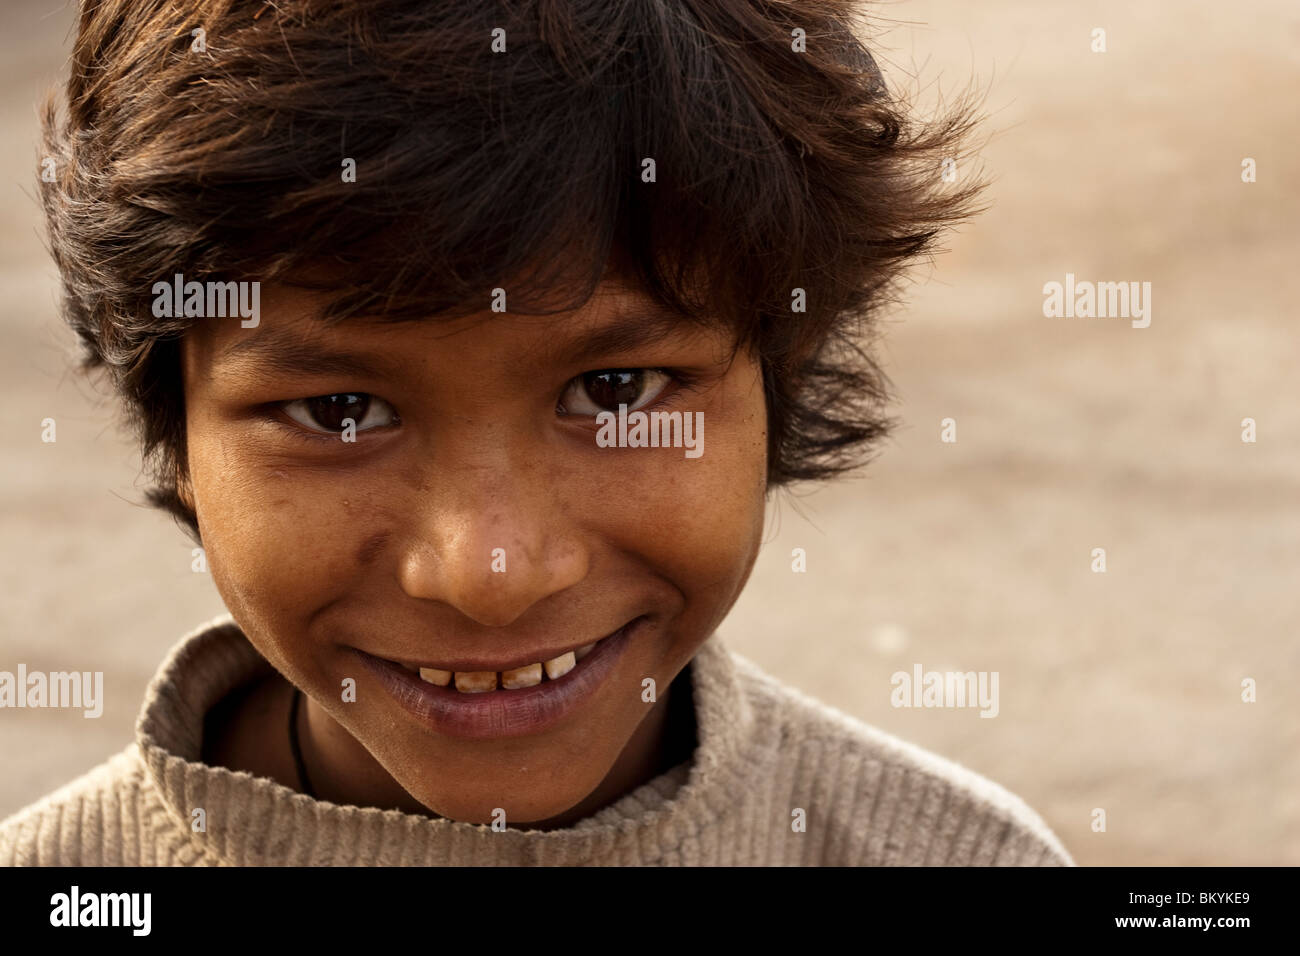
(292, 336)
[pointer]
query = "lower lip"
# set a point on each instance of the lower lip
(502, 713)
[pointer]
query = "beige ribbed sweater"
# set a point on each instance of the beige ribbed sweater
(764, 749)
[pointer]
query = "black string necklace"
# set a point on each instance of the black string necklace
(303, 780)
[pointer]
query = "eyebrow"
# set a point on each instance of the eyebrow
(286, 353)
(635, 327)
(279, 351)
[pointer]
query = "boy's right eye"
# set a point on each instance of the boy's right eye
(327, 414)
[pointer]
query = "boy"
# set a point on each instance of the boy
(424, 313)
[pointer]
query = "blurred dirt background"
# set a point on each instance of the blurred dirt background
(1118, 690)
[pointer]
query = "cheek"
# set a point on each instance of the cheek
(280, 542)
(698, 522)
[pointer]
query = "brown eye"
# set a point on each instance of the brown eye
(329, 413)
(614, 388)
(605, 390)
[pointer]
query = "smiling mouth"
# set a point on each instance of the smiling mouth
(481, 680)
(522, 700)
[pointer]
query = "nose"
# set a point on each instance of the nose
(491, 541)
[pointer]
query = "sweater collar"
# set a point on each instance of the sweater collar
(254, 821)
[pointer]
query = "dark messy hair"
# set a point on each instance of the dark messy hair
(781, 162)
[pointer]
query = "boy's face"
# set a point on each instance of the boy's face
(474, 519)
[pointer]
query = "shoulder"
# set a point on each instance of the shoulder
(82, 823)
(886, 801)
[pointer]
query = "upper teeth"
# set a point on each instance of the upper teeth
(477, 682)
